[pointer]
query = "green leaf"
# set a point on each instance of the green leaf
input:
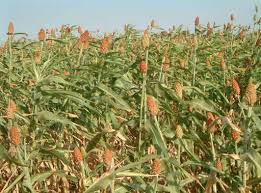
(47, 115)
(110, 92)
(3, 152)
(255, 157)
(40, 177)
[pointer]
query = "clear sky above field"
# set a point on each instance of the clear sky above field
(108, 15)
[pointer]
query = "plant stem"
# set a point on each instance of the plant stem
(214, 159)
(143, 103)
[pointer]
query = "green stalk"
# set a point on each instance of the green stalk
(80, 55)
(214, 159)
(141, 107)
(143, 103)
(27, 179)
(156, 183)
(194, 67)
(246, 141)
(83, 174)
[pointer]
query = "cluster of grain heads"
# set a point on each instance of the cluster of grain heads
(219, 164)
(14, 135)
(179, 89)
(77, 155)
(80, 30)
(196, 21)
(156, 166)
(10, 28)
(235, 135)
(232, 17)
(143, 67)
(165, 63)
(108, 158)
(37, 55)
(235, 88)
(41, 35)
(179, 132)
(152, 106)
(151, 150)
(146, 38)
(11, 109)
(223, 63)
(84, 40)
(251, 95)
(105, 44)
(211, 127)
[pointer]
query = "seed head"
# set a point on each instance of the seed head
(107, 157)
(155, 166)
(84, 40)
(77, 154)
(143, 67)
(10, 28)
(210, 125)
(179, 89)
(146, 38)
(41, 35)
(14, 135)
(219, 164)
(197, 21)
(165, 64)
(37, 56)
(93, 160)
(105, 45)
(151, 149)
(80, 30)
(11, 109)
(251, 96)
(223, 64)
(232, 17)
(235, 135)
(179, 132)
(152, 106)
(235, 87)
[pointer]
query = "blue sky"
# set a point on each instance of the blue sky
(109, 15)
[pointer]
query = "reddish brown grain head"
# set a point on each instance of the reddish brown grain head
(235, 87)
(156, 166)
(210, 122)
(77, 155)
(143, 67)
(105, 45)
(41, 35)
(14, 135)
(251, 95)
(10, 28)
(152, 106)
(197, 21)
(84, 40)
(11, 109)
(107, 157)
(85, 36)
(219, 164)
(235, 135)
(258, 42)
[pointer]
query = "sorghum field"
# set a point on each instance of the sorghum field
(137, 111)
